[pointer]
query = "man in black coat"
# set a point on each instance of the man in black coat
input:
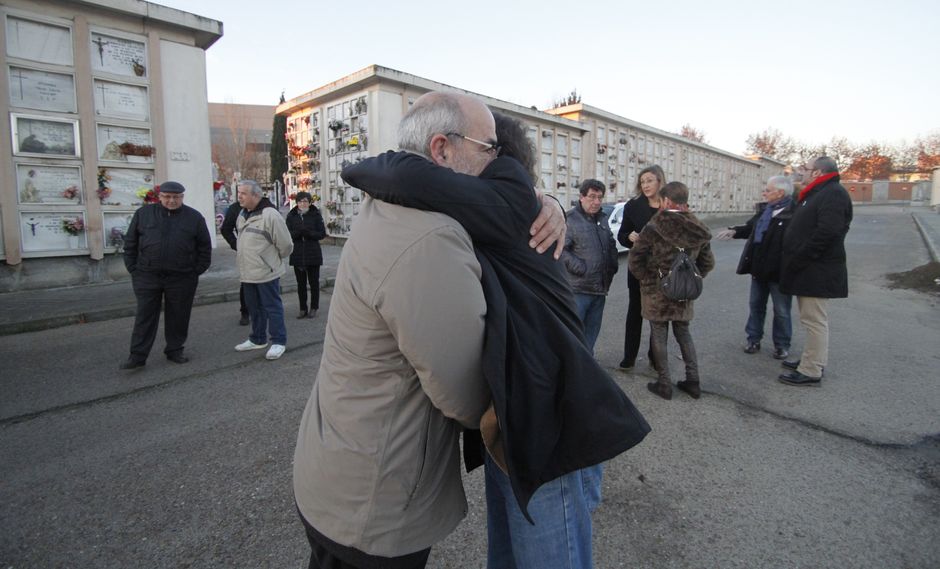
(761, 259)
(228, 233)
(813, 265)
(166, 248)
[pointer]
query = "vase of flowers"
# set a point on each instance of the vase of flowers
(149, 195)
(73, 227)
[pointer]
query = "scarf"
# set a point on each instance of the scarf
(764, 221)
(815, 183)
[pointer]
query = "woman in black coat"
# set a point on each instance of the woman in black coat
(306, 229)
(636, 213)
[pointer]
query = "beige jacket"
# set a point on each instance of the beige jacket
(377, 463)
(263, 244)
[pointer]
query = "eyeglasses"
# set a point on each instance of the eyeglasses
(487, 146)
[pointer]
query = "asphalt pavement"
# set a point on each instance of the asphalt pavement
(190, 465)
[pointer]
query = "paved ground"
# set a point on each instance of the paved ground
(189, 466)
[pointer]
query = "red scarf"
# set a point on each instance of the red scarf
(815, 183)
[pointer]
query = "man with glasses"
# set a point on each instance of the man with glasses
(166, 248)
(590, 256)
(813, 266)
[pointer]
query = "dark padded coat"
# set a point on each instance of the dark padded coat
(762, 260)
(813, 262)
(590, 253)
(558, 409)
(653, 253)
(306, 230)
(167, 241)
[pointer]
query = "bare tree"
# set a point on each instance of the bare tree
(692, 133)
(235, 150)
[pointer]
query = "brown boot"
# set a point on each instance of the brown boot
(690, 387)
(660, 388)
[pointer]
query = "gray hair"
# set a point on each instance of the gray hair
(255, 186)
(781, 183)
(433, 113)
(826, 165)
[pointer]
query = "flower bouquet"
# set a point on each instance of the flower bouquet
(70, 193)
(149, 195)
(73, 226)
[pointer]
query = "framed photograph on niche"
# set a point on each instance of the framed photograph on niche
(42, 90)
(39, 41)
(53, 185)
(48, 231)
(118, 55)
(124, 143)
(44, 136)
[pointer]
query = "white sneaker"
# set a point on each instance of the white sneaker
(276, 351)
(249, 345)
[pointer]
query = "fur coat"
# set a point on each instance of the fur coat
(654, 251)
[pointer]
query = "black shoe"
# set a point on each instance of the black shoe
(781, 354)
(133, 363)
(664, 390)
(303, 314)
(177, 358)
(690, 387)
(798, 379)
(312, 314)
(796, 364)
(243, 321)
(752, 348)
(624, 364)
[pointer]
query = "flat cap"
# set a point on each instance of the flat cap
(172, 188)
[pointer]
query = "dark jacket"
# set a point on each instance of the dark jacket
(653, 253)
(306, 230)
(636, 214)
(227, 229)
(590, 253)
(168, 241)
(564, 412)
(762, 260)
(813, 261)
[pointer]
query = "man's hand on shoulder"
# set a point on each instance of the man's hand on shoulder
(549, 226)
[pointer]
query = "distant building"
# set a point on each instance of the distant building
(241, 140)
(101, 100)
(357, 115)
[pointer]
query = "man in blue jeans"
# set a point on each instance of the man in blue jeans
(590, 257)
(761, 259)
(263, 243)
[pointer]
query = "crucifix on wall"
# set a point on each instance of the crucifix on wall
(101, 43)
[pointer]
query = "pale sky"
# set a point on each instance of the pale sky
(864, 70)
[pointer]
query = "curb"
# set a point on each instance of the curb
(926, 234)
(124, 311)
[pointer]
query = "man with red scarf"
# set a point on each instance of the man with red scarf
(813, 263)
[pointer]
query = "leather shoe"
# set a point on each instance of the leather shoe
(177, 358)
(798, 379)
(303, 314)
(780, 354)
(690, 387)
(796, 364)
(243, 321)
(752, 348)
(133, 363)
(624, 364)
(664, 390)
(312, 313)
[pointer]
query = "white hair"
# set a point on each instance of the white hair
(255, 186)
(781, 183)
(434, 113)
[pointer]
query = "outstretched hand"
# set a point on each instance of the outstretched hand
(549, 227)
(725, 234)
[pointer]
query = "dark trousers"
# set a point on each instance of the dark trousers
(153, 289)
(634, 327)
(309, 275)
(659, 334)
(241, 300)
(323, 557)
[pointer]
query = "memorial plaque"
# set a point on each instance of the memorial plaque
(48, 231)
(42, 90)
(115, 228)
(39, 41)
(111, 137)
(45, 136)
(42, 184)
(120, 56)
(125, 186)
(121, 101)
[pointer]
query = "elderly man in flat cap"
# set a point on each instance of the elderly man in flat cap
(166, 248)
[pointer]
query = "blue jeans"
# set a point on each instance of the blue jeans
(590, 309)
(782, 326)
(561, 536)
(266, 312)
